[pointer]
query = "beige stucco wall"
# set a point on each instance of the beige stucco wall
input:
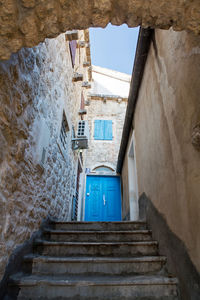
(168, 108)
(125, 190)
(36, 84)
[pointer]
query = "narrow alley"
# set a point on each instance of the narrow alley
(99, 166)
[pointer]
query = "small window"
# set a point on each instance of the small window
(63, 132)
(72, 47)
(103, 130)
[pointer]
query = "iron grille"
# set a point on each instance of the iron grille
(75, 207)
(63, 132)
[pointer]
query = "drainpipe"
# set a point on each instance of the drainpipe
(143, 45)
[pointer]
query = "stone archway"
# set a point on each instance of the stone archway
(108, 167)
(26, 23)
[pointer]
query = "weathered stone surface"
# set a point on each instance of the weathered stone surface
(106, 266)
(28, 22)
(196, 137)
(35, 83)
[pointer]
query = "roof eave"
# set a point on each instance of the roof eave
(143, 45)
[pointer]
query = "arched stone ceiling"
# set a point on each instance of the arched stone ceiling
(25, 23)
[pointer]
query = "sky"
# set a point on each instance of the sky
(114, 47)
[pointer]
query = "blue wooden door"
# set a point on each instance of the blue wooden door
(103, 198)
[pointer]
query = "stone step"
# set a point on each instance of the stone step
(97, 236)
(96, 287)
(121, 249)
(110, 226)
(94, 265)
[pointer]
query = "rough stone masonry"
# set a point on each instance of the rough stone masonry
(35, 83)
(25, 23)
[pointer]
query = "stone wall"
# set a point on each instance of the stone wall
(28, 22)
(167, 112)
(36, 84)
(107, 100)
(102, 152)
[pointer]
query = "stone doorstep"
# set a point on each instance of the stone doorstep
(56, 248)
(98, 226)
(93, 223)
(96, 287)
(96, 269)
(52, 259)
(96, 265)
(91, 235)
(63, 231)
(30, 280)
(39, 242)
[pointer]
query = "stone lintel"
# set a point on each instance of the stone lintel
(107, 97)
(71, 35)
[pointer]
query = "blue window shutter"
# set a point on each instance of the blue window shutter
(98, 129)
(108, 135)
(103, 130)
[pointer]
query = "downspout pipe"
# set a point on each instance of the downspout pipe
(143, 45)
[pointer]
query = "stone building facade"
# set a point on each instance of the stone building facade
(107, 101)
(40, 103)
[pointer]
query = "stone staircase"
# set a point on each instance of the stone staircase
(88, 260)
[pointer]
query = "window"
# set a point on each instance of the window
(103, 130)
(63, 132)
(72, 47)
(64, 138)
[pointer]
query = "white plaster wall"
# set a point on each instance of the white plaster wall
(110, 82)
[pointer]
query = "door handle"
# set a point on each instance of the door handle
(104, 200)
